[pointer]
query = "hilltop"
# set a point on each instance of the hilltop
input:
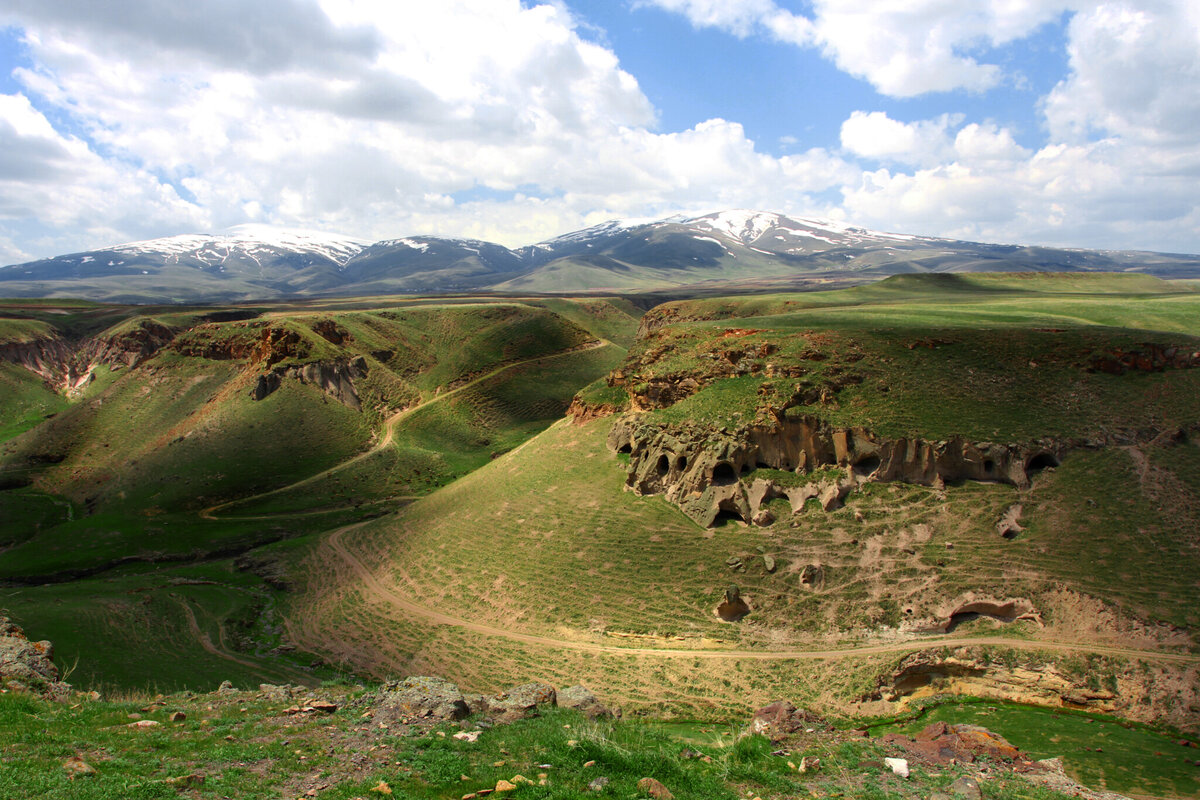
(722, 251)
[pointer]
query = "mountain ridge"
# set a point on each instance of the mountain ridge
(736, 248)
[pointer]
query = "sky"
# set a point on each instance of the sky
(1058, 122)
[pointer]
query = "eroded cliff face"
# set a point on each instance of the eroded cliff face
(67, 366)
(1148, 692)
(700, 469)
(48, 358)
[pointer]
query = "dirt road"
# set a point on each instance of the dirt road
(372, 588)
(389, 427)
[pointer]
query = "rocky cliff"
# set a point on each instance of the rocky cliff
(701, 469)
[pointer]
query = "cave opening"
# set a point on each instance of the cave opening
(725, 517)
(724, 474)
(1040, 462)
(625, 449)
(663, 466)
(867, 465)
(681, 463)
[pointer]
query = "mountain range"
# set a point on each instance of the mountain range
(730, 249)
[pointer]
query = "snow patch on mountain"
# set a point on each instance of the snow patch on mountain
(249, 241)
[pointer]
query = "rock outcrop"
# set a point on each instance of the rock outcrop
(700, 469)
(782, 718)
(942, 743)
(26, 665)
(1162, 692)
(420, 697)
(66, 366)
(335, 378)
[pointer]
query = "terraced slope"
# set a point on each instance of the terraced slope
(543, 557)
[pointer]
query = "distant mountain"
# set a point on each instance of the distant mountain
(728, 248)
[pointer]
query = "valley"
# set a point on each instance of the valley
(867, 501)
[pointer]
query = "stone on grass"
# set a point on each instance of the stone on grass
(655, 789)
(76, 767)
(581, 699)
(523, 700)
(966, 788)
(899, 766)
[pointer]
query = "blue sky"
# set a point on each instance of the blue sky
(1059, 122)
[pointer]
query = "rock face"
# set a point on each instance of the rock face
(1166, 693)
(27, 665)
(701, 469)
(67, 366)
(335, 378)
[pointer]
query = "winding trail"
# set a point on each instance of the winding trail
(389, 428)
(206, 643)
(372, 588)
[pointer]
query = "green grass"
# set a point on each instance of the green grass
(25, 402)
(243, 745)
(131, 628)
(1100, 752)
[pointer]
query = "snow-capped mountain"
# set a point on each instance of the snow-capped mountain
(253, 242)
(731, 248)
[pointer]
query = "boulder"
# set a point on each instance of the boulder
(941, 743)
(420, 697)
(581, 699)
(523, 700)
(735, 607)
(28, 665)
(781, 719)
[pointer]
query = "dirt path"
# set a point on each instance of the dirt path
(372, 588)
(206, 643)
(389, 427)
(1170, 496)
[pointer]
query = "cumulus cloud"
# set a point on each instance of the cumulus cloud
(877, 136)
(1135, 72)
(902, 49)
(498, 119)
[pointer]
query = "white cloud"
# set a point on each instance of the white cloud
(422, 102)
(877, 136)
(902, 48)
(1135, 72)
(180, 119)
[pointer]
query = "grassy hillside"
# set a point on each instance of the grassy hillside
(148, 463)
(542, 556)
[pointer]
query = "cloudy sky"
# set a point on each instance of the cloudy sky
(1063, 122)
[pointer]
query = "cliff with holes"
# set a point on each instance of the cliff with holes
(710, 473)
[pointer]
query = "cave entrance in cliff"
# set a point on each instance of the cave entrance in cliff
(725, 517)
(1040, 462)
(724, 474)
(663, 466)
(867, 465)
(1000, 612)
(625, 449)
